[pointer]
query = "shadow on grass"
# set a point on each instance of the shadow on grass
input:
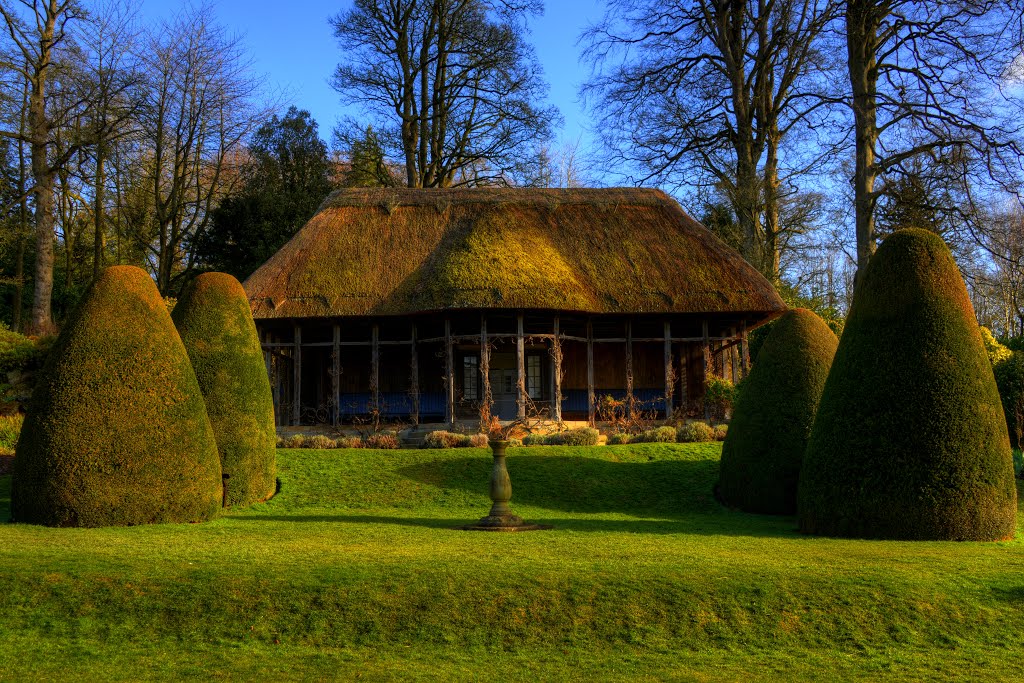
(659, 488)
(5, 499)
(731, 525)
(675, 495)
(1013, 595)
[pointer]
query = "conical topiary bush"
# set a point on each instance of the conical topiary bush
(768, 434)
(117, 432)
(910, 441)
(215, 323)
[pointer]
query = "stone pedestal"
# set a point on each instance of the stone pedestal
(500, 517)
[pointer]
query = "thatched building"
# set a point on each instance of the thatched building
(437, 305)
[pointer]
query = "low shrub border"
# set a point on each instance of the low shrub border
(692, 432)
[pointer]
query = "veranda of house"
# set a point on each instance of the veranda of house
(347, 371)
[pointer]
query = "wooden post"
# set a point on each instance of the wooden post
(629, 368)
(520, 370)
(591, 404)
(670, 381)
(336, 374)
(556, 375)
(684, 376)
(275, 380)
(265, 346)
(375, 367)
(485, 372)
(414, 383)
(734, 356)
(744, 351)
(449, 374)
(706, 352)
(297, 377)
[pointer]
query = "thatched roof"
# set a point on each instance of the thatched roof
(398, 251)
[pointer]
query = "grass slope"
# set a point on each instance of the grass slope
(353, 570)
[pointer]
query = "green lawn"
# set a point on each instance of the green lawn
(354, 570)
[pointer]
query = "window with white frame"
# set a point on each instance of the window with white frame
(533, 376)
(470, 378)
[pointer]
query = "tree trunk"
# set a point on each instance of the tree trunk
(729, 37)
(23, 229)
(19, 269)
(98, 231)
(747, 204)
(407, 112)
(862, 22)
(41, 322)
(67, 228)
(770, 263)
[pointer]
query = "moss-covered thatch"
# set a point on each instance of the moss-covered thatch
(117, 432)
(768, 434)
(397, 251)
(910, 441)
(213, 318)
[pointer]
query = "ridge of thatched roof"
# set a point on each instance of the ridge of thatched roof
(399, 251)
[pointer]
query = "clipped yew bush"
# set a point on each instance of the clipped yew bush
(215, 322)
(765, 443)
(117, 431)
(910, 441)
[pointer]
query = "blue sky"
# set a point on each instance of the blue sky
(292, 44)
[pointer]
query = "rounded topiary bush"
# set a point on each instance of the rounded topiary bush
(910, 441)
(215, 322)
(768, 434)
(695, 432)
(117, 431)
(581, 436)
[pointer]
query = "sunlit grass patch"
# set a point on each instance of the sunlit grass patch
(355, 567)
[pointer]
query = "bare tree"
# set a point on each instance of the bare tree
(703, 92)
(201, 106)
(16, 115)
(38, 30)
(452, 85)
(999, 288)
(110, 65)
(562, 166)
(926, 82)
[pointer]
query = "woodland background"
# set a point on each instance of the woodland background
(800, 131)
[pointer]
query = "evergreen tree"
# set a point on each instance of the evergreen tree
(117, 433)
(287, 177)
(910, 441)
(768, 435)
(216, 326)
(367, 167)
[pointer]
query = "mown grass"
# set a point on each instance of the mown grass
(354, 569)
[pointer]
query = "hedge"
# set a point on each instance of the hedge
(910, 441)
(763, 450)
(214, 320)
(117, 431)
